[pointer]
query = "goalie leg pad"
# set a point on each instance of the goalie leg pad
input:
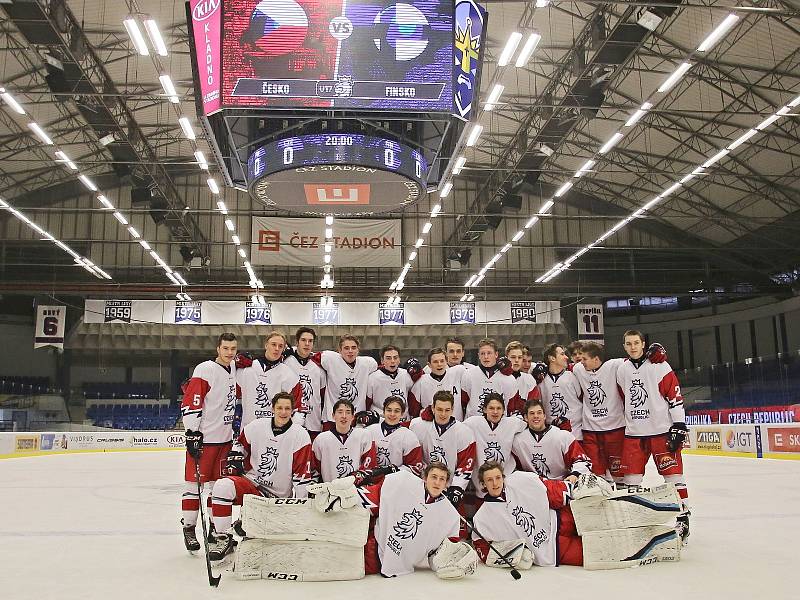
(515, 551)
(453, 560)
(294, 519)
(631, 547)
(298, 561)
(634, 507)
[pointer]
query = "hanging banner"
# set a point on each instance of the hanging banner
(392, 314)
(299, 242)
(325, 315)
(470, 35)
(590, 323)
(206, 25)
(258, 314)
(462, 313)
(50, 323)
(188, 312)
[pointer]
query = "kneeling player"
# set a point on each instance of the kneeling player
(274, 461)
(415, 522)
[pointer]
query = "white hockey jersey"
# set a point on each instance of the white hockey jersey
(493, 443)
(452, 444)
(336, 455)
(381, 384)
(527, 389)
(553, 453)
(396, 446)
(260, 382)
(561, 397)
(409, 525)
(524, 511)
(603, 404)
(653, 400)
(278, 464)
(477, 383)
(209, 401)
(345, 381)
(312, 380)
(421, 394)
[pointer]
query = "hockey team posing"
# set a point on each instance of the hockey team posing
(510, 441)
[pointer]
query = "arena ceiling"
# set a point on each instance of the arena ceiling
(732, 227)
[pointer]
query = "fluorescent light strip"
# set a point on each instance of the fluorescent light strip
(12, 103)
(436, 210)
(235, 239)
(40, 133)
(518, 236)
(587, 166)
(187, 128)
(742, 139)
(169, 89)
(562, 190)
(494, 96)
(716, 35)
(136, 36)
(546, 207)
(509, 49)
(528, 49)
(642, 111)
(155, 37)
(88, 183)
(426, 228)
(446, 188)
(721, 154)
(212, 185)
(201, 160)
(460, 162)
(610, 143)
(477, 129)
(670, 81)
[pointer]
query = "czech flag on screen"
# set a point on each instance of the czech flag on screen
(277, 28)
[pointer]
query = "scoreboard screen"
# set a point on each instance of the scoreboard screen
(345, 54)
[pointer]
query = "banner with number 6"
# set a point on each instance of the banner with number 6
(50, 323)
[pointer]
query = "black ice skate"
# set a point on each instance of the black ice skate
(190, 539)
(224, 545)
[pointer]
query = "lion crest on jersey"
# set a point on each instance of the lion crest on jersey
(408, 525)
(540, 465)
(638, 393)
(398, 392)
(262, 395)
(345, 466)
(231, 404)
(482, 399)
(348, 390)
(267, 463)
(308, 391)
(438, 455)
(597, 394)
(558, 406)
(383, 456)
(524, 520)
(493, 452)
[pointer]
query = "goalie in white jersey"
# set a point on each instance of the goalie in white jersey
(655, 422)
(416, 526)
(343, 450)
(348, 376)
(312, 380)
(396, 445)
(561, 393)
(275, 461)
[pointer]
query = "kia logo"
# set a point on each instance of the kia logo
(175, 439)
(204, 9)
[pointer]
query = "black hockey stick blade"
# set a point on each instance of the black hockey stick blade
(212, 581)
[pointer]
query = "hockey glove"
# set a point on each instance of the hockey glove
(336, 495)
(656, 353)
(676, 436)
(455, 494)
(369, 477)
(287, 352)
(426, 414)
(194, 443)
(539, 371)
(414, 368)
(562, 423)
(588, 485)
(365, 418)
(504, 366)
(243, 360)
(236, 425)
(234, 463)
(453, 560)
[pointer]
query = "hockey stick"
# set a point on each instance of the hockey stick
(212, 581)
(504, 557)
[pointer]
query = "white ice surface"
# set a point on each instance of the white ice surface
(106, 526)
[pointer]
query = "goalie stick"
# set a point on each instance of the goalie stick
(504, 557)
(212, 581)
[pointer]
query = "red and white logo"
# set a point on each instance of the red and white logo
(269, 241)
(204, 9)
(337, 194)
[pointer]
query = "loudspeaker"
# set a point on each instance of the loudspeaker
(140, 195)
(158, 208)
(512, 202)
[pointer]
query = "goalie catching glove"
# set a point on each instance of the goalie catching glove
(339, 494)
(453, 560)
(514, 551)
(588, 485)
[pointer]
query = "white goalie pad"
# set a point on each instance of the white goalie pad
(631, 547)
(298, 561)
(295, 519)
(635, 507)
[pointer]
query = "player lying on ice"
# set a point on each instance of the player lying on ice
(530, 521)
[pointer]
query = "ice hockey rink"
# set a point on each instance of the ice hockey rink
(105, 525)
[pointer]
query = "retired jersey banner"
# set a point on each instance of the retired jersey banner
(462, 313)
(325, 315)
(392, 314)
(50, 323)
(260, 314)
(590, 323)
(299, 242)
(188, 312)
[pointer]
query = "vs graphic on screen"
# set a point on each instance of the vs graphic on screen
(355, 54)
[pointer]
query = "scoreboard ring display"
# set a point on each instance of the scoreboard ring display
(336, 173)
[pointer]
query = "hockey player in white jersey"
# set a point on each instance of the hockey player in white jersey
(275, 461)
(395, 444)
(548, 451)
(348, 375)
(208, 407)
(343, 450)
(438, 376)
(487, 377)
(312, 380)
(574, 351)
(445, 440)
(526, 384)
(454, 347)
(389, 380)
(561, 392)
(494, 435)
(416, 525)
(655, 422)
(262, 378)
(603, 411)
